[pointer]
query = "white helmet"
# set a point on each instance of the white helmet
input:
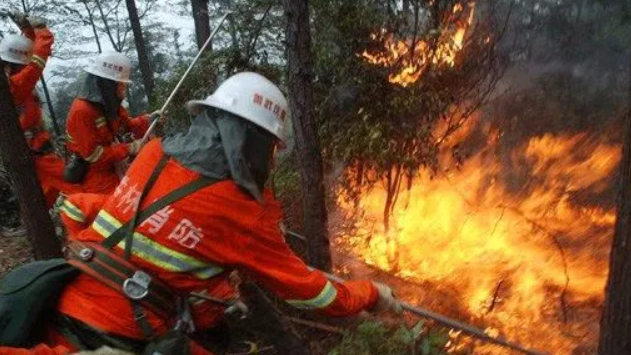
(111, 65)
(15, 49)
(253, 97)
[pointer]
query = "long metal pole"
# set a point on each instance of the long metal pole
(51, 110)
(179, 84)
(452, 323)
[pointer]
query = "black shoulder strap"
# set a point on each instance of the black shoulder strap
(171, 197)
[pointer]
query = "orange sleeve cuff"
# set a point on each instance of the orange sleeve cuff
(352, 298)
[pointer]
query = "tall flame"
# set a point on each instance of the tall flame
(530, 260)
(410, 58)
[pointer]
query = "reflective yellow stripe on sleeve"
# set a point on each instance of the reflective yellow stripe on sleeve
(325, 298)
(72, 211)
(96, 154)
(100, 122)
(156, 253)
(38, 60)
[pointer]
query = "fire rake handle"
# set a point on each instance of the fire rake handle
(188, 70)
(452, 323)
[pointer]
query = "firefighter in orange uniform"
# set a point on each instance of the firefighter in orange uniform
(95, 123)
(23, 59)
(192, 244)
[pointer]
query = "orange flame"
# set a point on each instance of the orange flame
(410, 60)
(513, 250)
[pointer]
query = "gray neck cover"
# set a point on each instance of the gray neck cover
(103, 93)
(221, 145)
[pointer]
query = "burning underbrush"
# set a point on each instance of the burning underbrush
(517, 243)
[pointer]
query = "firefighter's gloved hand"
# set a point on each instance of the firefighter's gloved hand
(135, 146)
(156, 115)
(19, 18)
(37, 22)
(387, 301)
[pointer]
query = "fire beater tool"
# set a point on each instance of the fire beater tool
(179, 84)
(449, 322)
(452, 323)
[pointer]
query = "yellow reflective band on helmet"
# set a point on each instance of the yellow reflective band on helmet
(70, 139)
(38, 60)
(96, 154)
(100, 122)
(72, 211)
(325, 298)
(156, 253)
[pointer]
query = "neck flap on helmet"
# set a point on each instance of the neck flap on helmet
(222, 145)
(102, 92)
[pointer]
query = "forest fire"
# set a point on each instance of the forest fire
(408, 59)
(519, 239)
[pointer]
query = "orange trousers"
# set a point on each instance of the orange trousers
(50, 172)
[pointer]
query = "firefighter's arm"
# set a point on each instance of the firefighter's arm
(28, 32)
(82, 131)
(138, 125)
(78, 211)
(23, 83)
(270, 260)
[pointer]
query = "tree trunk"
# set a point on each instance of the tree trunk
(202, 21)
(615, 324)
(141, 49)
(301, 104)
(19, 164)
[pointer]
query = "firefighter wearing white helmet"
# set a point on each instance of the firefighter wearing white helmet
(111, 65)
(97, 120)
(222, 218)
(23, 60)
(252, 97)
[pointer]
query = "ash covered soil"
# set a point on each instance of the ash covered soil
(14, 251)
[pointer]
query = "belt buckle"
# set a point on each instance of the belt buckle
(137, 286)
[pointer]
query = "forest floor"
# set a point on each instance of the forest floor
(14, 251)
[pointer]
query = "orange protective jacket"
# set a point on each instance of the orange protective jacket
(91, 136)
(49, 167)
(23, 84)
(193, 245)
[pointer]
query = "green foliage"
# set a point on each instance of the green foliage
(387, 129)
(285, 177)
(374, 338)
(248, 41)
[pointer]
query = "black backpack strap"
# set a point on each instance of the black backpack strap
(128, 232)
